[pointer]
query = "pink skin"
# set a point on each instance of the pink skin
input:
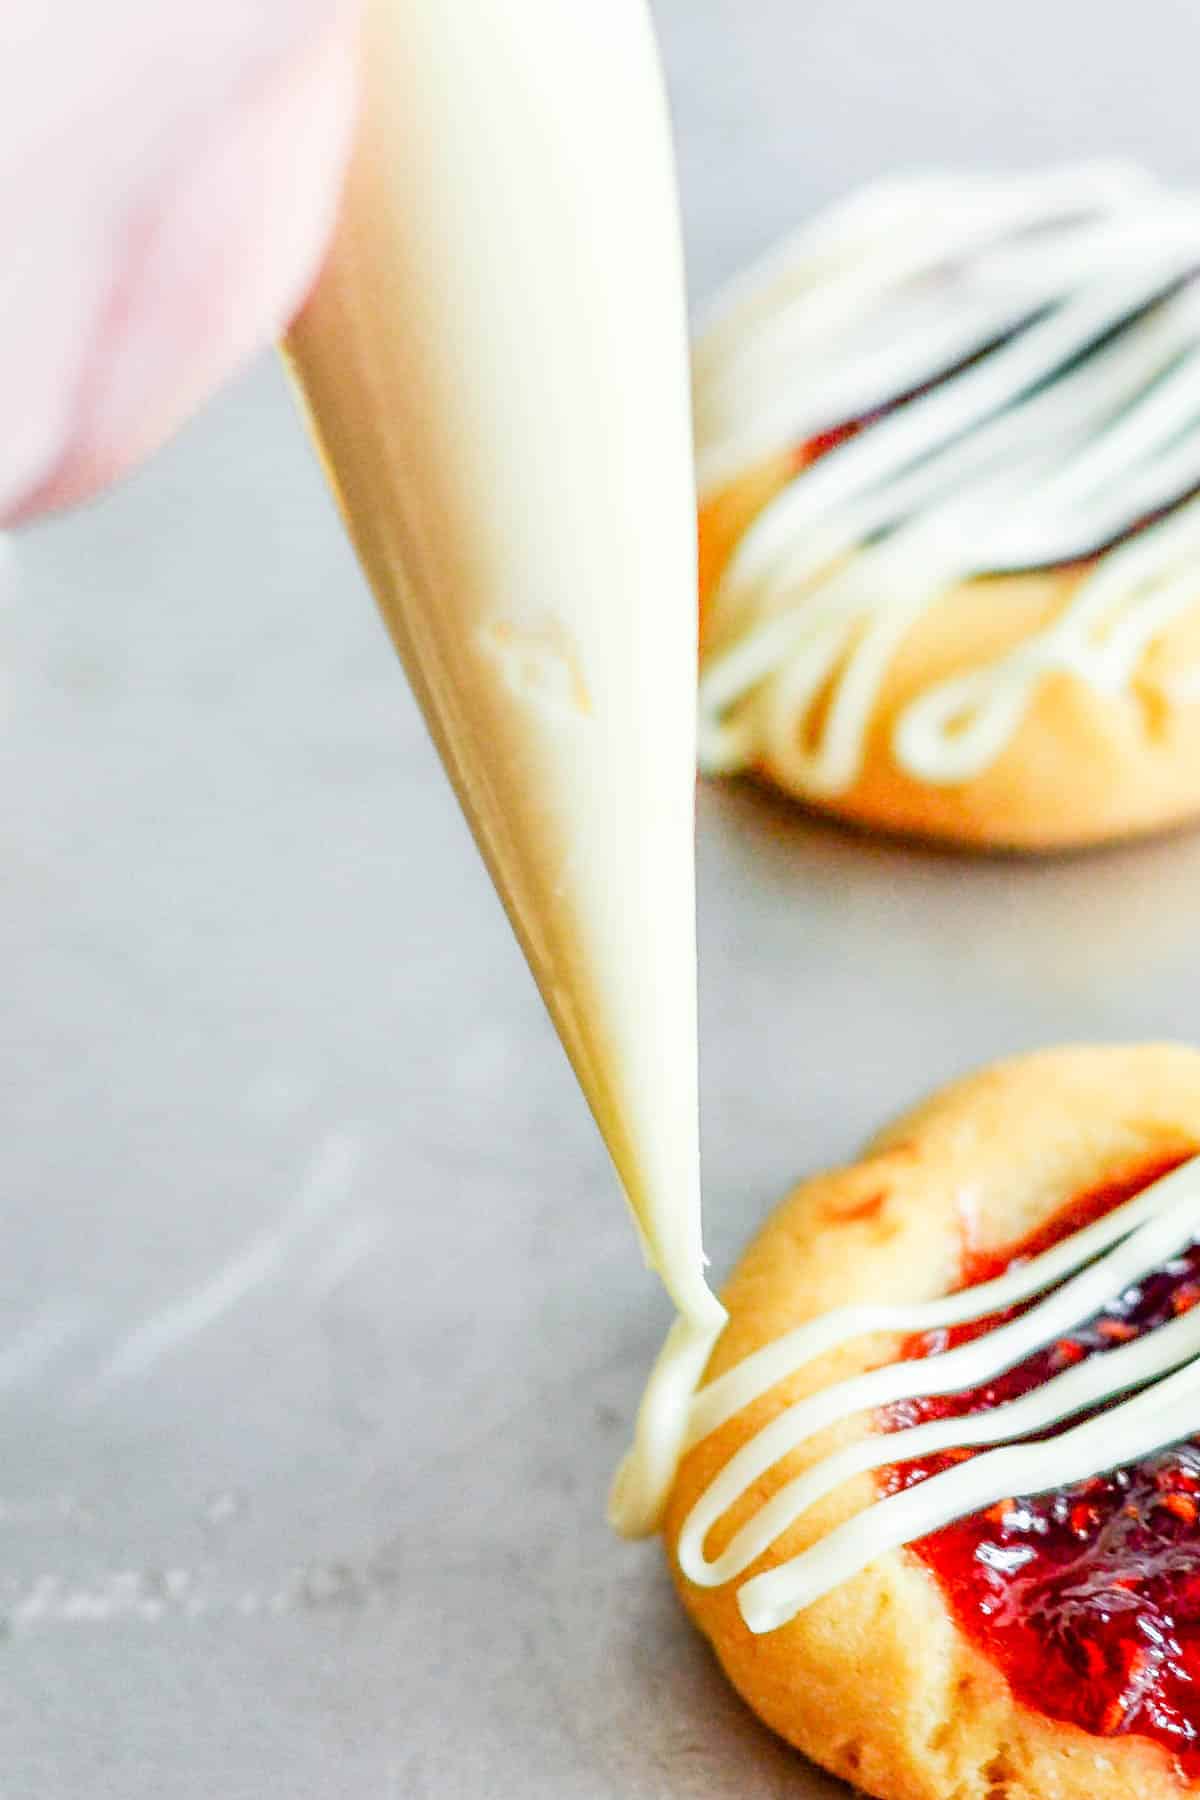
(171, 178)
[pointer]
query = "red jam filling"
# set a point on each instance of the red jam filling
(1087, 1598)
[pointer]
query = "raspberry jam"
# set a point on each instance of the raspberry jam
(1086, 1598)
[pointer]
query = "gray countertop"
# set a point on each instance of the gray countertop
(307, 1242)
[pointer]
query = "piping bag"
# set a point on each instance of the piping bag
(494, 369)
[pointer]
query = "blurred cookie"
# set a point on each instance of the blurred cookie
(948, 442)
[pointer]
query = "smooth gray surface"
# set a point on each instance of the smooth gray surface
(307, 1245)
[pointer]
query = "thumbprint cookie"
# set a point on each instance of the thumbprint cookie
(948, 450)
(939, 1513)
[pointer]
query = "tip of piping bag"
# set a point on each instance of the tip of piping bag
(680, 1266)
(695, 1301)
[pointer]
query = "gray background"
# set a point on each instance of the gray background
(307, 1247)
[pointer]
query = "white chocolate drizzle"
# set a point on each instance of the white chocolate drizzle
(1075, 1280)
(1011, 367)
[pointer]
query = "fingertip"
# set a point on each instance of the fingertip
(212, 268)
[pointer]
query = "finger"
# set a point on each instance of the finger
(207, 265)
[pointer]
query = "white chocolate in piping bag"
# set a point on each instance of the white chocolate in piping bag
(494, 364)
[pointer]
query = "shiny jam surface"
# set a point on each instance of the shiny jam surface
(1087, 1598)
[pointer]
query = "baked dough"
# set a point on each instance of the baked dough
(1084, 768)
(876, 1681)
(895, 511)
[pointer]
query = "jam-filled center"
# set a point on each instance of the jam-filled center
(1088, 1597)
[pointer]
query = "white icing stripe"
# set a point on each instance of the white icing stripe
(674, 1417)
(1078, 1277)
(732, 1392)
(896, 214)
(1077, 419)
(1083, 1385)
(1164, 1413)
(1076, 406)
(955, 729)
(969, 1366)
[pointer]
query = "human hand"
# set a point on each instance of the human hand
(170, 176)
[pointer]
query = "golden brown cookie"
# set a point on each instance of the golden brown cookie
(949, 454)
(891, 1680)
(1084, 768)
